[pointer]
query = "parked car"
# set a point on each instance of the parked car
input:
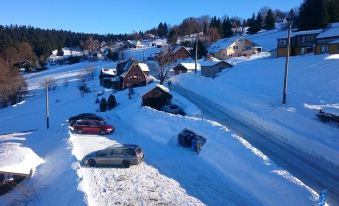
(84, 116)
(92, 126)
(125, 155)
(173, 109)
(188, 138)
(329, 115)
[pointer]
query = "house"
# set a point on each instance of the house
(233, 47)
(328, 40)
(181, 52)
(185, 67)
(135, 74)
(157, 97)
(211, 66)
(106, 76)
(302, 42)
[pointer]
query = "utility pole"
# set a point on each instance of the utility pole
(47, 109)
(286, 63)
(196, 56)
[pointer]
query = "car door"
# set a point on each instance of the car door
(104, 157)
(117, 156)
(94, 127)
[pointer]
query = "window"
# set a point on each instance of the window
(338, 47)
(117, 151)
(130, 151)
(283, 42)
(302, 51)
(324, 49)
(104, 153)
(303, 39)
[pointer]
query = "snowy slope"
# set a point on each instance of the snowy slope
(267, 39)
(252, 90)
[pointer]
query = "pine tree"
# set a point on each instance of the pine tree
(227, 28)
(312, 15)
(269, 20)
(111, 102)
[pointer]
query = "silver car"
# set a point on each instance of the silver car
(125, 155)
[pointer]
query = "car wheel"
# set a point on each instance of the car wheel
(102, 132)
(79, 131)
(126, 164)
(92, 163)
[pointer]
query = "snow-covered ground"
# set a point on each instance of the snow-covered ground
(228, 171)
(251, 92)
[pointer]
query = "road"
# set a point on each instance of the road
(316, 173)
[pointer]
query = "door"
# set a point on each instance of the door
(94, 127)
(117, 156)
(104, 157)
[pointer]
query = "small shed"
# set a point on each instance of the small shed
(185, 67)
(106, 76)
(181, 52)
(157, 97)
(212, 66)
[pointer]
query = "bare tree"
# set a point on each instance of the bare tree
(164, 59)
(50, 82)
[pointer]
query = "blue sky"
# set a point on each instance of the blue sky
(108, 16)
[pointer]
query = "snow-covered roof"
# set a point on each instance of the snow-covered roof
(163, 88)
(222, 44)
(211, 61)
(299, 33)
(332, 30)
(190, 66)
(15, 158)
(179, 47)
(143, 67)
(109, 71)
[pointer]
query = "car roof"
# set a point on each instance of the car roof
(115, 146)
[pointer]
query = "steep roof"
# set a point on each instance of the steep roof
(179, 47)
(332, 30)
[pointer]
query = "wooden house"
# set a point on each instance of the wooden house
(302, 42)
(181, 52)
(233, 47)
(136, 74)
(328, 40)
(211, 66)
(157, 97)
(185, 67)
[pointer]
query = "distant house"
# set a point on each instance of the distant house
(328, 40)
(233, 47)
(135, 74)
(185, 67)
(157, 97)
(211, 66)
(181, 52)
(302, 42)
(106, 77)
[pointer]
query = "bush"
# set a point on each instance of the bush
(111, 102)
(103, 105)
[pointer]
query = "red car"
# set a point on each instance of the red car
(92, 127)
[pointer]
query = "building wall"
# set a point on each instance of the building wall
(330, 49)
(182, 54)
(238, 48)
(134, 77)
(179, 69)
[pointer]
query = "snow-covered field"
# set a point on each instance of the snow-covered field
(228, 171)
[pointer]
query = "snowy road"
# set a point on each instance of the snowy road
(313, 171)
